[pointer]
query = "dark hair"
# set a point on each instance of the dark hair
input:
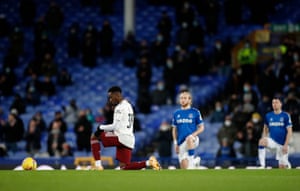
(279, 98)
(185, 90)
(115, 89)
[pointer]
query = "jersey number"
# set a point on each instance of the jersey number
(130, 120)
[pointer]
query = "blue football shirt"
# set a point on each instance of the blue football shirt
(278, 124)
(186, 121)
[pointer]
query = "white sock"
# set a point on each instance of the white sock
(191, 161)
(98, 163)
(147, 163)
(262, 156)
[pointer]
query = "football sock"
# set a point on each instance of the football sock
(191, 152)
(98, 163)
(95, 147)
(135, 166)
(147, 163)
(191, 157)
(262, 155)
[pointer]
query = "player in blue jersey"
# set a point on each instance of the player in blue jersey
(187, 124)
(276, 135)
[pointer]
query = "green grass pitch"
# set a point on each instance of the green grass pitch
(144, 180)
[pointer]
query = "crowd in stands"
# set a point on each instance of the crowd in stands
(178, 48)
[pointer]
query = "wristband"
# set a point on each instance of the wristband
(175, 142)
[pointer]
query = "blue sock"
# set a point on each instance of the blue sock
(261, 147)
(191, 152)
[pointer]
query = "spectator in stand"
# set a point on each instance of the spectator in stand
(221, 58)
(54, 18)
(16, 40)
(70, 112)
(228, 131)
(249, 137)
(183, 36)
(164, 142)
(181, 67)
(74, 40)
(18, 104)
(198, 62)
(10, 60)
(240, 116)
(158, 51)
(43, 45)
(59, 120)
(106, 7)
(267, 81)
(159, 95)
(144, 49)
(67, 150)
(90, 116)
(197, 34)
(5, 26)
(232, 103)
(64, 78)
(137, 123)
(93, 31)
(210, 9)
(7, 81)
(264, 106)
(107, 112)
(3, 151)
(83, 130)
(33, 66)
(49, 66)
(144, 74)
(225, 155)
(250, 93)
(33, 90)
(144, 101)
(48, 87)
(218, 115)
(292, 106)
(129, 50)
(296, 80)
(33, 137)
(2, 122)
(85, 3)
(39, 29)
(40, 121)
(257, 121)
(13, 131)
(247, 105)
(55, 139)
(106, 37)
(185, 13)
(233, 12)
(89, 48)
(226, 137)
(165, 26)
(247, 57)
(169, 79)
(27, 12)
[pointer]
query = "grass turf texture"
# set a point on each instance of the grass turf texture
(144, 180)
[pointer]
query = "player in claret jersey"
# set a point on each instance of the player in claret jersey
(277, 132)
(119, 134)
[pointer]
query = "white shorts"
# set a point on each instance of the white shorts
(277, 149)
(183, 148)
